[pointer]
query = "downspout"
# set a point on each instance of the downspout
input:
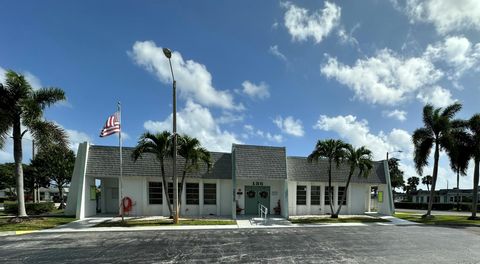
(234, 185)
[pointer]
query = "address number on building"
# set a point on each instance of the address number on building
(257, 183)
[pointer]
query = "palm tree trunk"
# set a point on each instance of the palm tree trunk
(434, 180)
(165, 188)
(344, 195)
(458, 190)
(181, 186)
(475, 189)
(330, 191)
(17, 154)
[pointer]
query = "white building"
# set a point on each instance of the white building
(237, 183)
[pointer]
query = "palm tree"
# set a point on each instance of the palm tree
(334, 151)
(360, 158)
(21, 110)
(435, 133)
(427, 180)
(159, 145)
(459, 153)
(191, 150)
(474, 127)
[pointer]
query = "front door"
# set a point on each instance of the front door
(255, 195)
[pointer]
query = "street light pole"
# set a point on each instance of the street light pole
(168, 54)
(396, 151)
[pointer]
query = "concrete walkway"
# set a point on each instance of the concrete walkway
(434, 212)
(243, 222)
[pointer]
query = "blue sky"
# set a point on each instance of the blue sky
(255, 72)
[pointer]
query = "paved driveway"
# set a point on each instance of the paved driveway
(367, 244)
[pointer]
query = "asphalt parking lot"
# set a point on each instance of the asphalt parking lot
(364, 244)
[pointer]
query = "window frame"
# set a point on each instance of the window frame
(315, 194)
(303, 197)
(149, 188)
(339, 195)
(209, 196)
(192, 198)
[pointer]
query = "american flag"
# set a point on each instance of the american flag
(112, 126)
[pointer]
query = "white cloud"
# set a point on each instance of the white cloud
(250, 131)
(197, 121)
(457, 52)
(446, 16)
(229, 118)
(2, 75)
(437, 96)
(357, 133)
(290, 126)
(397, 114)
(276, 52)
(76, 137)
(194, 81)
(256, 90)
(386, 79)
(347, 37)
(301, 25)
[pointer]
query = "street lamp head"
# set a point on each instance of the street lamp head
(167, 52)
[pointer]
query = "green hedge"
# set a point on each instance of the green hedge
(32, 208)
(436, 206)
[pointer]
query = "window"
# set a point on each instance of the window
(155, 193)
(170, 192)
(301, 195)
(192, 193)
(209, 193)
(315, 195)
(341, 191)
(327, 194)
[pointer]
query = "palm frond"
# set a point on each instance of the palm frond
(47, 133)
(423, 142)
(450, 111)
(48, 96)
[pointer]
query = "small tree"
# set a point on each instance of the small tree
(396, 175)
(7, 177)
(427, 180)
(56, 163)
(412, 184)
(360, 159)
(193, 153)
(334, 150)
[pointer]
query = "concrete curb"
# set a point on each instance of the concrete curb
(18, 232)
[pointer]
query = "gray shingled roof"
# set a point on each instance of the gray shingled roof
(103, 161)
(260, 162)
(300, 169)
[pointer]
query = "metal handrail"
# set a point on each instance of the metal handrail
(262, 212)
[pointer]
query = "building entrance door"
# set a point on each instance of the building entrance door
(255, 195)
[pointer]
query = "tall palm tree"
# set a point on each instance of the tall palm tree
(21, 111)
(192, 151)
(334, 151)
(435, 133)
(459, 152)
(160, 145)
(474, 127)
(360, 158)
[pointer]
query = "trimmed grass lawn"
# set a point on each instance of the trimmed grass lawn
(36, 223)
(130, 223)
(438, 219)
(320, 220)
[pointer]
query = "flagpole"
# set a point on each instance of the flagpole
(121, 159)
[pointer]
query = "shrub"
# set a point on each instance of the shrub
(32, 208)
